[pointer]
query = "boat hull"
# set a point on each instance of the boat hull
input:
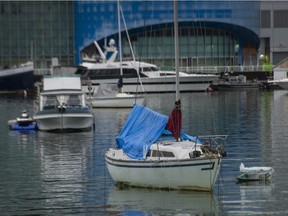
(190, 174)
(197, 83)
(64, 121)
(234, 86)
(23, 128)
(116, 102)
(254, 177)
(283, 84)
(14, 79)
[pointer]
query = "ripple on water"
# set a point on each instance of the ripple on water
(57, 174)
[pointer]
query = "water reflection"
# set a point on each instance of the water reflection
(253, 197)
(159, 202)
(22, 137)
(109, 122)
(57, 174)
(250, 190)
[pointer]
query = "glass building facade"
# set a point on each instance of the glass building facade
(37, 30)
(211, 32)
(198, 46)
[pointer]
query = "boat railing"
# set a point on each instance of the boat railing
(188, 69)
(214, 144)
(215, 141)
(221, 69)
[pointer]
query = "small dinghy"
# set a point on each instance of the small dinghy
(24, 122)
(255, 173)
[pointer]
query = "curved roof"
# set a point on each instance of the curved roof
(245, 35)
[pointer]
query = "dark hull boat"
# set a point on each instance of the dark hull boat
(17, 78)
(235, 83)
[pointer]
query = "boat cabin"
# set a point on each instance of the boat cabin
(183, 149)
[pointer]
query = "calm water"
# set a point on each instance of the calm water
(65, 174)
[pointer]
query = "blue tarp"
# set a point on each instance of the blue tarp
(142, 128)
(167, 133)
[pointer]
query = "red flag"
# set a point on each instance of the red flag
(174, 124)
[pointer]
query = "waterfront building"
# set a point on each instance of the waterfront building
(37, 30)
(212, 33)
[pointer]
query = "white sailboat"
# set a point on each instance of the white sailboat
(145, 157)
(108, 95)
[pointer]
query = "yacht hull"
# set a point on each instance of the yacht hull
(18, 78)
(190, 174)
(191, 83)
(64, 121)
(116, 102)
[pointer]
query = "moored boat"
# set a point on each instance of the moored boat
(105, 69)
(152, 150)
(112, 95)
(23, 122)
(282, 83)
(228, 82)
(18, 77)
(62, 106)
(109, 96)
(165, 163)
(255, 173)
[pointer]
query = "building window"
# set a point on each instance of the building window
(265, 19)
(280, 18)
(208, 46)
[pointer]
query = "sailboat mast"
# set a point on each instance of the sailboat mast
(120, 45)
(174, 124)
(176, 49)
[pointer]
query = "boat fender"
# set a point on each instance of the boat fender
(194, 154)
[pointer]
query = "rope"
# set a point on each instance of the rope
(131, 49)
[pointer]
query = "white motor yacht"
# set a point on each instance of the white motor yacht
(103, 69)
(62, 106)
